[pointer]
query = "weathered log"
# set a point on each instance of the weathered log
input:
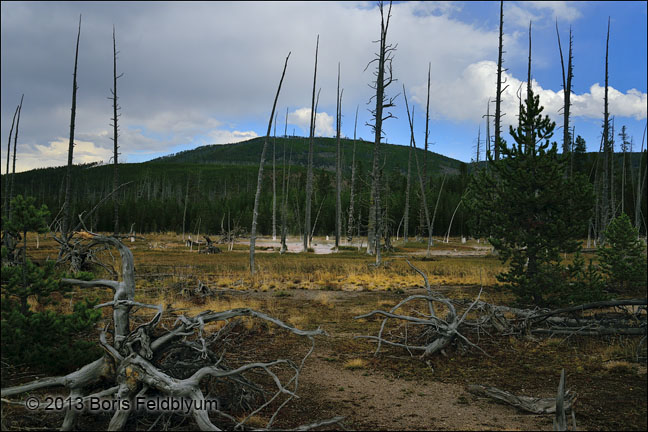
(525, 403)
(134, 363)
(438, 333)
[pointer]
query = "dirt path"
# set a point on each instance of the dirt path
(371, 400)
(373, 397)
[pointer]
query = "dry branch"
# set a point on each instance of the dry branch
(436, 334)
(525, 403)
(181, 362)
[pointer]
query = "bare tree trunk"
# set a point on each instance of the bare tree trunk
(338, 169)
(641, 182)
(68, 178)
(284, 210)
(284, 191)
(426, 181)
(274, 183)
(13, 170)
(447, 239)
(184, 213)
(605, 203)
(255, 212)
(488, 138)
(8, 177)
(436, 206)
(612, 163)
(384, 59)
(498, 92)
(478, 144)
(624, 148)
(530, 134)
(407, 194)
(309, 172)
(115, 135)
(353, 178)
(567, 86)
(418, 170)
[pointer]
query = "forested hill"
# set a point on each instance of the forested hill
(296, 149)
(197, 190)
(200, 188)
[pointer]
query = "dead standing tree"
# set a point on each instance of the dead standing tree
(65, 225)
(9, 179)
(407, 188)
(309, 171)
(567, 87)
(338, 168)
(116, 108)
(384, 78)
(182, 362)
(255, 212)
(426, 180)
(353, 181)
(499, 90)
(426, 211)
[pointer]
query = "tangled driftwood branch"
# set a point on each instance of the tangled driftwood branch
(563, 402)
(612, 317)
(181, 363)
(436, 334)
(428, 333)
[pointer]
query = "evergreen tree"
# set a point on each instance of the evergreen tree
(586, 284)
(43, 338)
(529, 208)
(580, 154)
(623, 257)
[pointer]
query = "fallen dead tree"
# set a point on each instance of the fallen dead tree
(560, 405)
(431, 325)
(184, 362)
(612, 317)
(426, 331)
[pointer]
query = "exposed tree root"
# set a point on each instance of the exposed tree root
(427, 332)
(434, 333)
(183, 363)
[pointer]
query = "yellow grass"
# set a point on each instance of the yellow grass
(356, 363)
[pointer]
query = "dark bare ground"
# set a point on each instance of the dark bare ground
(396, 391)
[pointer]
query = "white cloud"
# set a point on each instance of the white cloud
(219, 136)
(323, 121)
(519, 16)
(465, 98)
(540, 12)
(55, 154)
(559, 9)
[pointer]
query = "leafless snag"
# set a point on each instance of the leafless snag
(567, 86)
(255, 212)
(499, 90)
(116, 107)
(309, 170)
(353, 181)
(9, 180)
(68, 176)
(183, 362)
(384, 78)
(424, 205)
(338, 167)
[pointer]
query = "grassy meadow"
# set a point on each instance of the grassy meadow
(343, 376)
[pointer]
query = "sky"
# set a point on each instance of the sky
(207, 72)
